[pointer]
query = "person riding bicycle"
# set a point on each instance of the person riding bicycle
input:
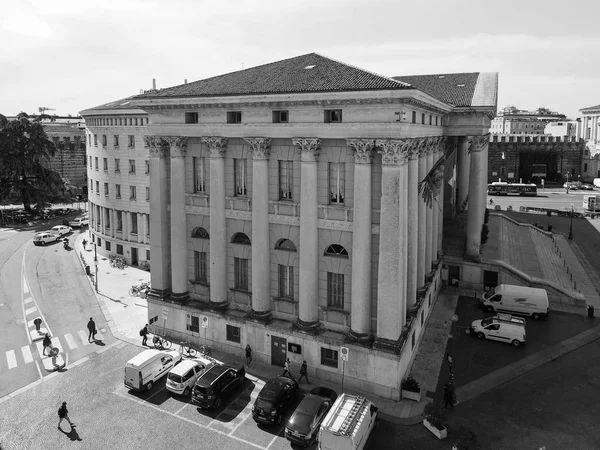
(491, 201)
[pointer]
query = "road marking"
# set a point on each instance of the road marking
(84, 337)
(25, 287)
(28, 300)
(70, 341)
(11, 358)
(27, 356)
(30, 310)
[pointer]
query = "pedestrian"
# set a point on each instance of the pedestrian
(47, 343)
(84, 242)
(450, 360)
(144, 334)
(491, 201)
(287, 369)
(37, 322)
(303, 372)
(92, 328)
(448, 396)
(248, 354)
(63, 414)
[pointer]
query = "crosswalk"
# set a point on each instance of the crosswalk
(34, 352)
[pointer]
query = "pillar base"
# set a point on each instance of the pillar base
(261, 316)
(387, 345)
(218, 306)
(180, 298)
(308, 326)
(159, 294)
(364, 339)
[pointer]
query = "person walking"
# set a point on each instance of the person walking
(287, 369)
(448, 397)
(47, 343)
(248, 354)
(63, 414)
(303, 372)
(450, 360)
(144, 334)
(92, 328)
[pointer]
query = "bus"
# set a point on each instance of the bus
(591, 203)
(502, 188)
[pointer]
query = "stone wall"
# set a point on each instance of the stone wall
(70, 157)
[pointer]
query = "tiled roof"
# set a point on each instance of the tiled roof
(302, 74)
(590, 108)
(456, 89)
(124, 103)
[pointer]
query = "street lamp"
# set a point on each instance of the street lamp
(96, 266)
(571, 225)
(451, 359)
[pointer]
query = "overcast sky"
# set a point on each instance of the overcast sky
(72, 55)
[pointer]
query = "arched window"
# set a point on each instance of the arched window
(241, 238)
(336, 250)
(200, 233)
(285, 244)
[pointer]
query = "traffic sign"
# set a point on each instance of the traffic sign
(165, 312)
(344, 352)
(204, 322)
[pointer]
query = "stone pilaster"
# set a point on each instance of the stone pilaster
(422, 207)
(309, 256)
(463, 158)
(261, 267)
(438, 201)
(477, 191)
(413, 220)
(429, 210)
(360, 317)
(218, 238)
(160, 240)
(179, 257)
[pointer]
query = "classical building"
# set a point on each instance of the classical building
(298, 207)
(569, 128)
(119, 180)
(590, 128)
(512, 120)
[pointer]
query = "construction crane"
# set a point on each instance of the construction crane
(43, 109)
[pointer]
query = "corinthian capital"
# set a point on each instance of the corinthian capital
(177, 144)
(363, 150)
(157, 145)
(261, 147)
(217, 145)
(394, 151)
(478, 143)
(309, 147)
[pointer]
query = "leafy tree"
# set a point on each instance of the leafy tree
(24, 148)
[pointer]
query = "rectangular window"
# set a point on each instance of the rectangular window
(107, 217)
(585, 167)
(234, 117)
(132, 166)
(423, 118)
(90, 161)
(116, 140)
(130, 121)
(147, 194)
(118, 191)
(134, 227)
(239, 173)
(333, 116)
(92, 185)
(337, 173)
(106, 189)
(329, 357)
(147, 255)
(191, 117)
(335, 290)
(108, 246)
(241, 273)
(233, 334)
(430, 119)
(90, 140)
(117, 165)
(194, 325)
(97, 188)
(200, 264)
(286, 180)
(96, 162)
(95, 140)
(131, 140)
(280, 116)
(105, 164)
(99, 240)
(119, 249)
(119, 218)
(286, 281)
(436, 120)
(414, 117)
(147, 164)
(199, 174)
(104, 141)
(132, 192)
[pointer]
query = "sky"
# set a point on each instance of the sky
(72, 55)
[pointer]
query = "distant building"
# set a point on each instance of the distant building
(516, 121)
(562, 128)
(589, 128)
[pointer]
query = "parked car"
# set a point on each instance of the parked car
(571, 185)
(61, 230)
(214, 385)
(79, 222)
(182, 377)
(587, 187)
(273, 398)
(44, 238)
(511, 331)
(303, 426)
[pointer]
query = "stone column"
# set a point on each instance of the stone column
(429, 211)
(179, 257)
(421, 242)
(438, 201)
(440, 204)
(463, 171)
(309, 234)
(360, 317)
(477, 190)
(412, 282)
(218, 238)
(391, 295)
(160, 270)
(261, 267)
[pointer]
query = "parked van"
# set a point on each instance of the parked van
(597, 182)
(504, 329)
(143, 370)
(348, 424)
(522, 300)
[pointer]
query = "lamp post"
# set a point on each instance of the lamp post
(450, 359)
(571, 225)
(96, 266)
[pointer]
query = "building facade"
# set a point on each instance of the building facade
(569, 128)
(590, 124)
(298, 207)
(512, 120)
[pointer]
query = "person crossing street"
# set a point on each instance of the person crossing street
(91, 326)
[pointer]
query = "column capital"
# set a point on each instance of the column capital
(261, 147)
(217, 145)
(157, 146)
(394, 151)
(363, 150)
(309, 147)
(177, 144)
(478, 143)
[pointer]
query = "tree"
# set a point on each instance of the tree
(24, 148)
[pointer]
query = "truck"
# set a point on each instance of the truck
(348, 424)
(591, 203)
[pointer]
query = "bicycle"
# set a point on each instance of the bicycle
(161, 343)
(140, 291)
(187, 348)
(205, 350)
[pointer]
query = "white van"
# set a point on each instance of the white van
(523, 300)
(510, 330)
(597, 182)
(348, 424)
(143, 370)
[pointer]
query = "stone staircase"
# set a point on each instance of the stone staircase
(551, 262)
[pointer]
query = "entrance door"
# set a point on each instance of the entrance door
(134, 256)
(490, 279)
(278, 351)
(453, 275)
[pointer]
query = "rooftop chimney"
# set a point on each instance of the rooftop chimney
(153, 83)
(185, 81)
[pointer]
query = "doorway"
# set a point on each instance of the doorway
(490, 280)
(278, 351)
(134, 256)
(453, 275)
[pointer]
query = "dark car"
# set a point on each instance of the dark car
(303, 426)
(215, 384)
(273, 398)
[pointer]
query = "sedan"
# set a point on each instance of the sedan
(45, 237)
(303, 426)
(182, 377)
(61, 230)
(79, 222)
(587, 187)
(272, 400)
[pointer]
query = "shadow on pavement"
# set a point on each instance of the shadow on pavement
(73, 435)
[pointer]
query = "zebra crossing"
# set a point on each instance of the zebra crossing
(34, 352)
